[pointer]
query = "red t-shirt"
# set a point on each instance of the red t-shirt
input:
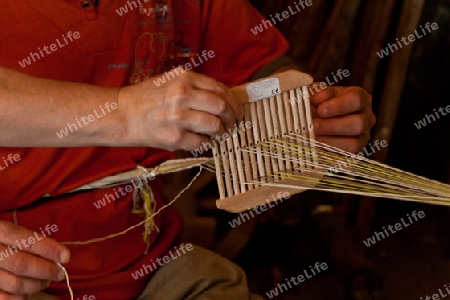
(119, 43)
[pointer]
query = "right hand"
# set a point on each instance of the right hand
(178, 114)
(32, 269)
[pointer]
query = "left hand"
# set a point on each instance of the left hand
(343, 117)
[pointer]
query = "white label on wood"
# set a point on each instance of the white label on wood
(263, 89)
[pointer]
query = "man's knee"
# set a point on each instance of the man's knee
(198, 274)
(215, 267)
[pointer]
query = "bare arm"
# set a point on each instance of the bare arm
(33, 110)
(178, 115)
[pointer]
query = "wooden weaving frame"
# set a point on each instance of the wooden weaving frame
(241, 174)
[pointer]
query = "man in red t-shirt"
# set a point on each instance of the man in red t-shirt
(79, 101)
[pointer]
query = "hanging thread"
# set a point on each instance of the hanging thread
(96, 240)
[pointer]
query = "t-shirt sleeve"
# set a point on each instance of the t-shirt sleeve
(229, 28)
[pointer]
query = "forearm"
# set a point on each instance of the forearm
(34, 110)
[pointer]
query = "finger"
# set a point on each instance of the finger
(5, 296)
(197, 143)
(206, 83)
(27, 265)
(214, 105)
(321, 95)
(235, 103)
(45, 247)
(349, 125)
(353, 145)
(14, 285)
(350, 101)
(202, 123)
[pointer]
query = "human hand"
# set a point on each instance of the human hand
(343, 117)
(31, 269)
(178, 114)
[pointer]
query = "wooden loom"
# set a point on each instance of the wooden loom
(280, 154)
(284, 113)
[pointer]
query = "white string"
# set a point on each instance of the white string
(67, 280)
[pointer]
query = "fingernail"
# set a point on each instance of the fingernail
(325, 112)
(64, 256)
